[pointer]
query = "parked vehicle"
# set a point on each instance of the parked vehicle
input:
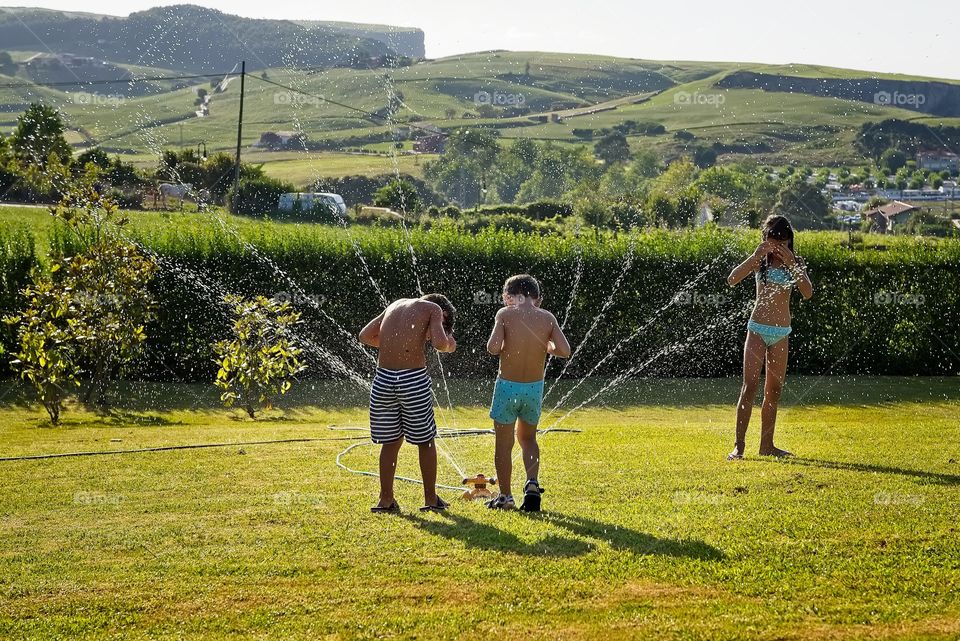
(306, 201)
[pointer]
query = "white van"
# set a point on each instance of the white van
(308, 201)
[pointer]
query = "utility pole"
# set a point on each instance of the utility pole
(236, 175)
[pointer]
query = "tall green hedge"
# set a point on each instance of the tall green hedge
(894, 310)
(17, 259)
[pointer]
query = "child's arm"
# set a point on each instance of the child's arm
(750, 265)
(437, 334)
(798, 270)
(495, 342)
(558, 345)
(370, 334)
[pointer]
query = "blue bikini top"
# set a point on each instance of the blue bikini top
(778, 276)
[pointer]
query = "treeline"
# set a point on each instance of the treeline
(906, 137)
(874, 312)
(627, 189)
(37, 165)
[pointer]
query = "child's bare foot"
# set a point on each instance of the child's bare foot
(736, 454)
(776, 452)
(386, 506)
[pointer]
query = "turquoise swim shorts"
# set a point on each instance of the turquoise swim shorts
(516, 400)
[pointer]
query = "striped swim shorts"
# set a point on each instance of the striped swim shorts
(401, 406)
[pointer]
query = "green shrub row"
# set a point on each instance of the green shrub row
(889, 310)
(17, 258)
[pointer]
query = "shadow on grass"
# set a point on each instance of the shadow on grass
(339, 394)
(936, 477)
(475, 534)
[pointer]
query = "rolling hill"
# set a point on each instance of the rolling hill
(768, 113)
(192, 38)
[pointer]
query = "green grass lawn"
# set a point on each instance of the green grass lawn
(648, 532)
(307, 168)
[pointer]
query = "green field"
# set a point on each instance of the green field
(648, 532)
(812, 129)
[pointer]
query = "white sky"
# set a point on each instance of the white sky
(918, 37)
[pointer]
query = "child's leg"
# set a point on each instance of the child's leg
(503, 456)
(527, 435)
(428, 471)
(753, 351)
(772, 389)
(388, 470)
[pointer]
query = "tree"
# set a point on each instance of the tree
(261, 357)
(47, 348)
(40, 134)
(464, 171)
(805, 206)
(645, 164)
(513, 167)
(704, 157)
(107, 282)
(612, 148)
(94, 155)
(87, 316)
(590, 206)
(892, 160)
(7, 66)
(400, 196)
(722, 181)
(677, 178)
(551, 179)
(661, 210)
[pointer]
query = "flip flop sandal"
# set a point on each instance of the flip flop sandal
(733, 456)
(393, 508)
(440, 506)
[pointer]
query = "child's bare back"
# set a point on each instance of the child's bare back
(527, 338)
(402, 331)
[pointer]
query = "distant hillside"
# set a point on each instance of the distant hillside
(406, 41)
(935, 98)
(194, 38)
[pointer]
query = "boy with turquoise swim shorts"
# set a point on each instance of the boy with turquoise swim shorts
(523, 334)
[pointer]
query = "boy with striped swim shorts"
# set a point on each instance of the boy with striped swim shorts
(523, 334)
(401, 397)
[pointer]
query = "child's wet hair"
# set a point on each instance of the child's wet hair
(449, 311)
(523, 285)
(775, 227)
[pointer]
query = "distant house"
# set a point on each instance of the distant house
(938, 160)
(883, 219)
(278, 140)
(434, 143)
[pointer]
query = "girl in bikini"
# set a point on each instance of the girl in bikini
(777, 270)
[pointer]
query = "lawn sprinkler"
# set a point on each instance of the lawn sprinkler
(478, 485)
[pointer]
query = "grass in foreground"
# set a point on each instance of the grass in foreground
(649, 533)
